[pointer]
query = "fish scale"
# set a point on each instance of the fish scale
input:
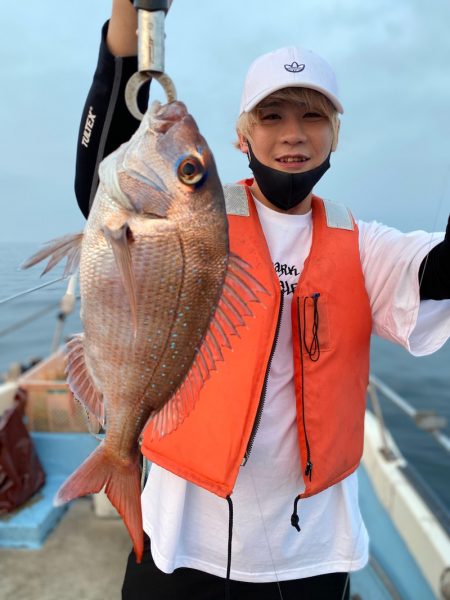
(114, 328)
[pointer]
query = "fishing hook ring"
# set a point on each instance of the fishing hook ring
(135, 83)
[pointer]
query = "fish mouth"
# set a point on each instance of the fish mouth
(164, 116)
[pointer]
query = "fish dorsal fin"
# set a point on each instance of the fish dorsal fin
(239, 289)
(80, 381)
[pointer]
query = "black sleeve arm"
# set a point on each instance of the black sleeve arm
(434, 272)
(105, 122)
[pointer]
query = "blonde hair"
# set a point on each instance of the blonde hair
(298, 95)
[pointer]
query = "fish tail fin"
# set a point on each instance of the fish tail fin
(122, 483)
(68, 246)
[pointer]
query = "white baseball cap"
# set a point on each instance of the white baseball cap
(288, 67)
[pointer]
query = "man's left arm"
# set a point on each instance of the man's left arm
(434, 271)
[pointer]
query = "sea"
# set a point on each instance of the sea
(27, 326)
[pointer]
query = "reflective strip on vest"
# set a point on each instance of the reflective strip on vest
(338, 216)
(236, 200)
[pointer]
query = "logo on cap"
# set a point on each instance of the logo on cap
(294, 67)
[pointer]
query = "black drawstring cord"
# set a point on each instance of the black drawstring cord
(313, 349)
(230, 537)
(294, 517)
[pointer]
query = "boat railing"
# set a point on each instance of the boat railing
(419, 514)
(426, 420)
(64, 307)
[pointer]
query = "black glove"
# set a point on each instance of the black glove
(434, 272)
(112, 124)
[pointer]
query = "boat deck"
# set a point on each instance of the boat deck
(83, 558)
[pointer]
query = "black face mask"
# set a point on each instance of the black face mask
(285, 190)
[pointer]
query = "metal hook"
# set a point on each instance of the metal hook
(135, 83)
(151, 17)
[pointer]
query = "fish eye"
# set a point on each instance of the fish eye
(190, 170)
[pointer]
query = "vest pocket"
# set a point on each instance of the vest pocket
(315, 325)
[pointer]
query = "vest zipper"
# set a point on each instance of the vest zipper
(264, 388)
(309, 465)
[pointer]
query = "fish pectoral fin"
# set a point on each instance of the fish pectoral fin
(68, 246)
(240, 287)
(119, 238)
(80, 381)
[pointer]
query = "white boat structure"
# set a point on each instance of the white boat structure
(408, 527)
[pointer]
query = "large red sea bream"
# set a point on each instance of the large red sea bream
(160, 295)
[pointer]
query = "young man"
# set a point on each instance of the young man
(304, 361)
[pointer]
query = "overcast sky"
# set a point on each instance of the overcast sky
(392, 60)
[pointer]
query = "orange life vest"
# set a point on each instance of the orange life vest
(331, 325)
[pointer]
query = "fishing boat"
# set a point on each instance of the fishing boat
(408, 525)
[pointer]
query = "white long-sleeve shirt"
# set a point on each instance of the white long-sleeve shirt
(188, 526)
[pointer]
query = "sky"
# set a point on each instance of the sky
(392, 60)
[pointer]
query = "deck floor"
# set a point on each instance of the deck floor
(63, 569)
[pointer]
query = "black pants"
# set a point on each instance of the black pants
(146, 582)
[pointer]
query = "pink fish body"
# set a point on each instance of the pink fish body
(154, 269)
